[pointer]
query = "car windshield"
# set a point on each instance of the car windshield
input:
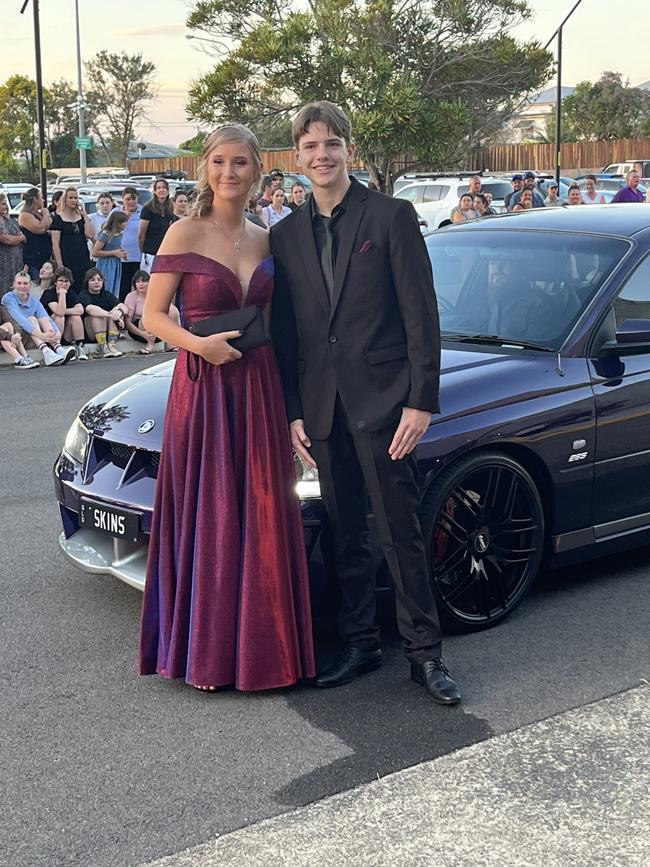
(516, 286)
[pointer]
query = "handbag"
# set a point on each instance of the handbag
(248, 320)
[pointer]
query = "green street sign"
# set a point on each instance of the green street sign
(83, 144)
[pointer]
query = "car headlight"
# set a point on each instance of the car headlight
(76, 442)
(307, 484)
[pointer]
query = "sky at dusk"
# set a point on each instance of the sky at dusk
(592, 44)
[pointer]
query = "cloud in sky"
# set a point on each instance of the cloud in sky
(156, 30)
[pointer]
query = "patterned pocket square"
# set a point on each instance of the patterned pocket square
(367, 245)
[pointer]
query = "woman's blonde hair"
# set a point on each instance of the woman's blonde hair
(225, 134)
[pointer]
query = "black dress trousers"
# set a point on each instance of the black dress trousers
(352, 465)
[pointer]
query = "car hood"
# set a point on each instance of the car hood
(471, 380)
(125, 411)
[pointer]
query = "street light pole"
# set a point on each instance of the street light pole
(81, 105)
(40, 114)
(558, 111)
(558, 98)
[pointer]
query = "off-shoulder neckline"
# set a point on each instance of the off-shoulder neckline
(215, 263)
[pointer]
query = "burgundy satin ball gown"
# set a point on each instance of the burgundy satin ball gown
(226, 599)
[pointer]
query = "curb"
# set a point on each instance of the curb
(126, 346)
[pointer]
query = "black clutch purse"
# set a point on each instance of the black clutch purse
(248, 320)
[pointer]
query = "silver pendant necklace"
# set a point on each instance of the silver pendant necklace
(236, 244)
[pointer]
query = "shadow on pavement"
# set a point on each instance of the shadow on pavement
(388, 722)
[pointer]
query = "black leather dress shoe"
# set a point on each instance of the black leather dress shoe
(350, 664)
(437, 681)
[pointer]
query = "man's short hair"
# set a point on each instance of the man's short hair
(590, 178)
(129, 191)
(266, 182)
(276, 173)
(325, 112)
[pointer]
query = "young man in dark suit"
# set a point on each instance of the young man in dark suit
(355, 326)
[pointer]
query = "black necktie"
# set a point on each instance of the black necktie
(326, 256)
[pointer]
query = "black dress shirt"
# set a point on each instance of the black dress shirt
(327, 233)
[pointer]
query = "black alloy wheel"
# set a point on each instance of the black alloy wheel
(483, 525)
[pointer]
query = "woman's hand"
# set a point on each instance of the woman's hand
(216, 349)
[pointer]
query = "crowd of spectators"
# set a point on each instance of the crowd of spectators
(525, 195)
(68, 278)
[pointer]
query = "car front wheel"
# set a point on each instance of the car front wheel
(483, 525)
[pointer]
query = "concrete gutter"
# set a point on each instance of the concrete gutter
(570, 791)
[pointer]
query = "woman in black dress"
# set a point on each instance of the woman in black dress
(156, 217)
(71, 229)
(34, 221)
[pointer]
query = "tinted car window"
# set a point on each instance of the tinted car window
(518, 285)
(411, 194)
(434, 192)
(633, 301)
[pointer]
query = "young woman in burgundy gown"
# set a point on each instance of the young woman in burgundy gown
(226, 600)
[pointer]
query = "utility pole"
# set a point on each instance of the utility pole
(558, 111)
(81, 104)
(558, 98)
(40, 113)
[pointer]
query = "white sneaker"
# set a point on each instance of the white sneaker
(50, 357)
(66, 353)
(25, 363)
(112, 351)
(80, 352)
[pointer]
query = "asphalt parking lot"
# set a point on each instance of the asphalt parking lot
(101, 767)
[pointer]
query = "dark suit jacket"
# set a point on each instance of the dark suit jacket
(377, 342)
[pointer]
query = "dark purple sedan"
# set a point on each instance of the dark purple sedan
(541, 453)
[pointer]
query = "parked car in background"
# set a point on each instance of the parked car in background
(92, 190)
(642, 167)
(291, 178)
(610, 184)
(434, 198)
(541, 451)
(14, 194)
(89, 203)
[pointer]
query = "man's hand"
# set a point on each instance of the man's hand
(410, 430)
(301, 442)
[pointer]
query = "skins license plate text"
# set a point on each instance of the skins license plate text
(119, 523)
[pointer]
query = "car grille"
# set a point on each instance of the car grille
(134, 463)
(121, 454)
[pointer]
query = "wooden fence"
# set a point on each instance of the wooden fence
(575, 156)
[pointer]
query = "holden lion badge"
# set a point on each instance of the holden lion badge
(146, 426)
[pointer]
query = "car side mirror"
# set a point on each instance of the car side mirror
(632, 338)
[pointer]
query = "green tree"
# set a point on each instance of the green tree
(426, 78)
(18, 128)
(606, 109)
(194, 144)
(62, 124)
(120, 86)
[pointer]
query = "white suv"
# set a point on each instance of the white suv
(434, 198)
